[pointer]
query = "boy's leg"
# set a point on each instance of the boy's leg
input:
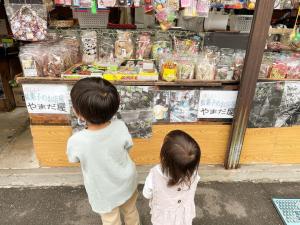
(130, 212)
(111, 218)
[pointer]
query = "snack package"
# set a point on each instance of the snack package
(124, 46)
(279, 70)
(186, 69)
(169, 68)
(27, 25)
(166, 18)
(205, 69)
(89, 45)
(173, 4)
(239, 57)
(144, 46)
(186, 46)
(202, 8)
(161, 46)
(31, 61)
(106, 49)
(294, 68)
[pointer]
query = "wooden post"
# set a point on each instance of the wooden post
(256, 45)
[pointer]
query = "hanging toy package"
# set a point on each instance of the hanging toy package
(295, 35)
(27, 25)
(89, 45)
(203, 7)
(166, 18)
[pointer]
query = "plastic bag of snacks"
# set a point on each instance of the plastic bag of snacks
(187, 46)
(239, 57)
(169, 68)
(124, 45)
(106, 49)
(162, 45)
(205, 69)
(186, 68)
(89, 45)
(279, 70)
(32, 58)
(27, 25)
(144, 46)
(166, 18)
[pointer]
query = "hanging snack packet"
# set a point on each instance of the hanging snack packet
(203, 7)
(89, 45)
(27, 25)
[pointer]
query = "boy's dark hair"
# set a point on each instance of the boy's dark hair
(180, 157)
(95, 99)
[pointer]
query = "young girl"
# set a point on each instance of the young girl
(171, 186)
(109, 174)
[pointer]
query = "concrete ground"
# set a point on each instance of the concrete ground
(217, 204)
(16, 147)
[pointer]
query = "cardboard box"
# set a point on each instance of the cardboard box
(19, 96)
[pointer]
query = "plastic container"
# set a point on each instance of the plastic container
(241, 23)
(88, 20)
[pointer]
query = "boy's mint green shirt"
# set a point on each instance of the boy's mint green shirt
(109, 174)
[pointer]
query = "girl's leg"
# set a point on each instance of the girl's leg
(112, 218)
(129, 211)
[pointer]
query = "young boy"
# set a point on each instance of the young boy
(110, 176)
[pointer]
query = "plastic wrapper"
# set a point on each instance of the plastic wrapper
(205, 69)
(169, 68)
(27, 25)
(144, 46)
(89, 45)
(239, 57)
(279, 70)
(187, 46)
(106, 49)
(186, 69)
(124, 47)
(166, 18)
(32, 61)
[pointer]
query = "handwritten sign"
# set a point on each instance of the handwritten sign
(217, 104)
(47, 98)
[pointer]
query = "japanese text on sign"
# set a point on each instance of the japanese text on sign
(47, 98)
(217, 104)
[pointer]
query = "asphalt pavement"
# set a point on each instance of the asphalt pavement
(238, 203)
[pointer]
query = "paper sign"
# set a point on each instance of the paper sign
(217, 104)
(47, 98)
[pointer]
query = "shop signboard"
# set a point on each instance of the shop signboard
(47, 98)
(216, 104)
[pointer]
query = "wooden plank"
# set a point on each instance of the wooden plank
(50, 143)
(49, 119)
(271, 145)
(185, 83)
(257, 40)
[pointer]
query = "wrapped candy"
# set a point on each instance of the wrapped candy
(186, 69)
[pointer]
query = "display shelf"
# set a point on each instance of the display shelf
(187, 83)
(272, 80)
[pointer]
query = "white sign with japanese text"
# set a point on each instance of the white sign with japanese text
(47, 98)
(217, 104)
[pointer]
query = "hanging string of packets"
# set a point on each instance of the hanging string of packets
(295, 35)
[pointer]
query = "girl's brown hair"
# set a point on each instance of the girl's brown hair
(180, 157)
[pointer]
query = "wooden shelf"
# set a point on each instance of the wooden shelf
(272, 80)
(184, 83)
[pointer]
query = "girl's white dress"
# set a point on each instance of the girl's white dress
(170, 205)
